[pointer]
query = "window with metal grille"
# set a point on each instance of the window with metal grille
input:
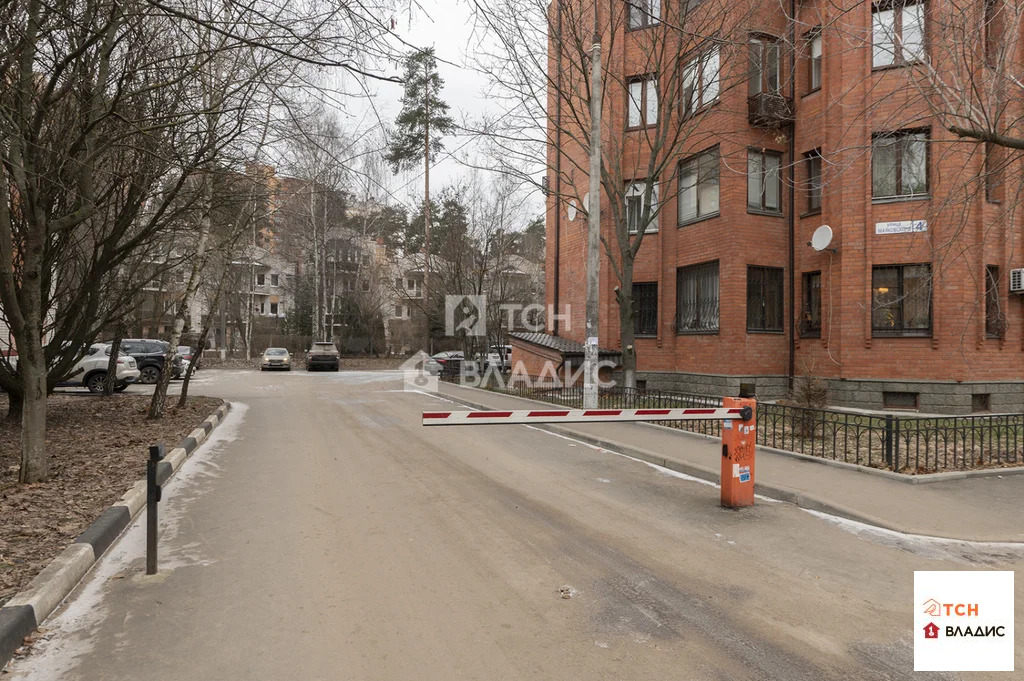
(697, 298)
(995, 321)
(899, 164)
(901, 302)
(810, 320)
(764, 183)
(645, 308)
(764, 298)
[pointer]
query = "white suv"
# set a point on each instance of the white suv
(91, 370)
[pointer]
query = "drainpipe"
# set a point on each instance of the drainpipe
(792, 195)
(558, 168)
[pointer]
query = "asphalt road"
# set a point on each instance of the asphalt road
(325, 534)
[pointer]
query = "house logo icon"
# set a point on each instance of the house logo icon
(931, 630)
(932, 607)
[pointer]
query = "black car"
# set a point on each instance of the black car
(150, 356)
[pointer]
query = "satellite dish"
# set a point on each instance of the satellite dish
(822, 238)
(586, 202)
(572, 210)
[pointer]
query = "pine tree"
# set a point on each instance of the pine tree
(417, 137)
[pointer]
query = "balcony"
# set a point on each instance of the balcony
(769, 110)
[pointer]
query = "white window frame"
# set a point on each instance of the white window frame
(634, 196)
(641, 102)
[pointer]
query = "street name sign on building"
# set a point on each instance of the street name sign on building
(901, 227)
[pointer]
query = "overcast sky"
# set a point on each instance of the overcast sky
(445, 26)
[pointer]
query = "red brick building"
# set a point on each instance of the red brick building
(793, 124)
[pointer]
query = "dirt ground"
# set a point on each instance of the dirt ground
(98, 449)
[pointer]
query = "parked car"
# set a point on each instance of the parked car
(499, 356)
(276, 358)
(187, 352)
(435, 364)
(91, 371)
(150, 356)
(323, 355)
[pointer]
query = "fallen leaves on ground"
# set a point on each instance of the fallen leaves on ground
(98, 449)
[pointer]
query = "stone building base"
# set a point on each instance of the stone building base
(934, 397)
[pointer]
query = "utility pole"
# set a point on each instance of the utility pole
(426, 209)
(590, 348)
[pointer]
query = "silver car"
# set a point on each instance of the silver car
(276, 358)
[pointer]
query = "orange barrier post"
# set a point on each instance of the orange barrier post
(738, 443)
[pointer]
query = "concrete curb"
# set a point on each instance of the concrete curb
(28, 608)
(779, 492)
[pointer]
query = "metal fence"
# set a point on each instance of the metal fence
(907, 444)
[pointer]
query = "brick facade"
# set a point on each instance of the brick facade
(944, 365)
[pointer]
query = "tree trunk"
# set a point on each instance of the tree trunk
(14, 406)
(627, 334)
(32, 366)
(115, 350)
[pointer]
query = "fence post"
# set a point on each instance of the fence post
(887, 442)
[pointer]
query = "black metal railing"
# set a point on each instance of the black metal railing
(906, 444)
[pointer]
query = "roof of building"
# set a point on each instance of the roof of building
(566, 346)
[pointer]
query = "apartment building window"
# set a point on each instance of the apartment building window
(366, 285)
(765, 60)
(399, 311)
(263, 307)
(398, 283)
(995, 322)
(635, 192)
(764, 299)
(701, 81)
(810, 319)
(698, 186)
(993, 173)
(643, 101)
(814, 60)
(764, 184)
(899, 164)
(897, 33)
(697, 298)
(261, 279)
(273, 309)
(645, 308)
(275, 280)
(643, 13)
(901, 302)
(814, 181)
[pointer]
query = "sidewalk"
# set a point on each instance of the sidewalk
(972, 509)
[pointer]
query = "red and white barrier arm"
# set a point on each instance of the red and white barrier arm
(468, 418)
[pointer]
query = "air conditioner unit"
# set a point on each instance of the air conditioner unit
(1017, 281)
